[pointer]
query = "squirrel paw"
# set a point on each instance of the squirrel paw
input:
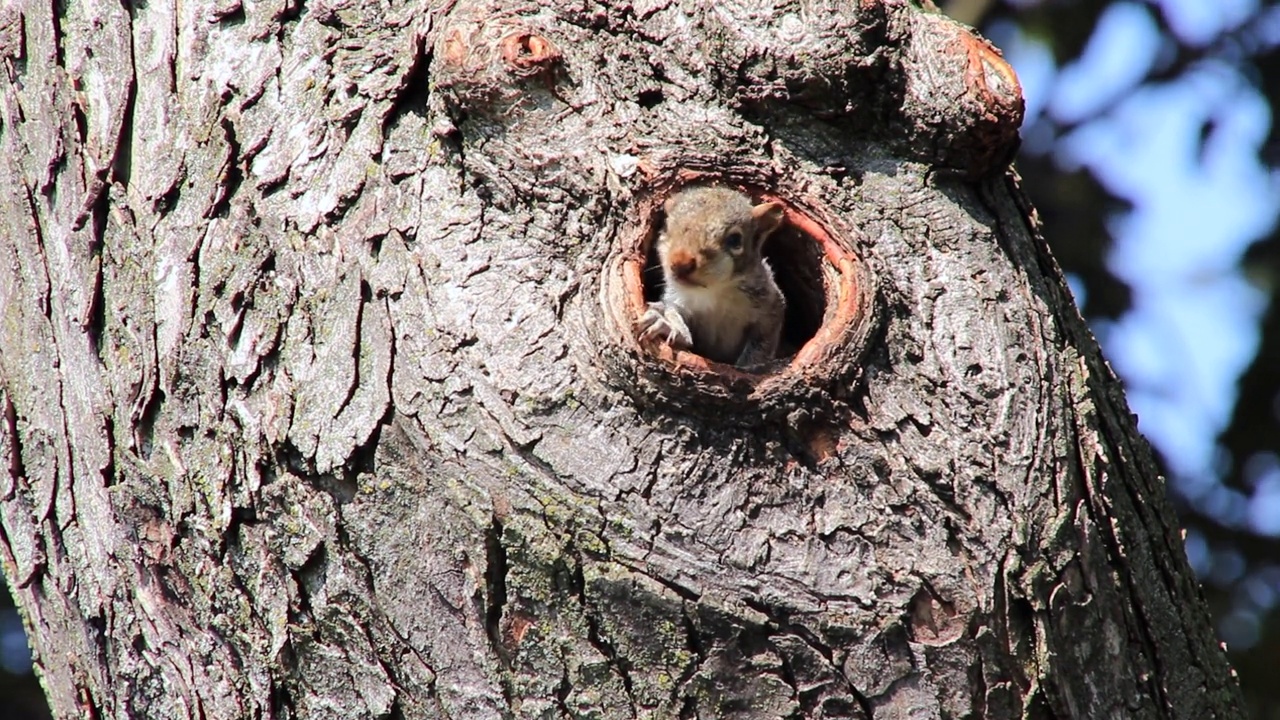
(664, 323)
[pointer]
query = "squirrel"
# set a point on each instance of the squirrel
(720, 299)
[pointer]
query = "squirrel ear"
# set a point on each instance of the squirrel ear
(768, 217)
(668, 204)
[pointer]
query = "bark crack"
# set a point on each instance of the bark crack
(694, 641)
(16, 467)
(495, 576)
(810, 638)
(231, 175)
(597, 639)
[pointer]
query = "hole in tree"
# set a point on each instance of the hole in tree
(801, 271)
(650, 98)
(800, 267)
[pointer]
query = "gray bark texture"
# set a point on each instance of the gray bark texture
(321, 395)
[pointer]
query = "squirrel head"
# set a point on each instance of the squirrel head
(713, 234)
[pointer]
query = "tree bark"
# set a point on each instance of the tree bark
(321, 396)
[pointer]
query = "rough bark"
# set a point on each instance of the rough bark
(321, 397)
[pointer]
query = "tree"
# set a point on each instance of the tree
(322, 397)
(1227, 506)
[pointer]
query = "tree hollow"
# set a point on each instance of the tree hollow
(815, 266)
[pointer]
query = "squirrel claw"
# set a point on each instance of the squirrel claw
(665, 324)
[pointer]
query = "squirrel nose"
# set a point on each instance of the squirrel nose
(683, 264)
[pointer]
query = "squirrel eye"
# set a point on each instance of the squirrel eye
(733, 241)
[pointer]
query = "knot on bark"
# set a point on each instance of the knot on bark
(831, 63)
(492, 64)
(921, 82)
(829, 294)
(529, 54)
(963, 103)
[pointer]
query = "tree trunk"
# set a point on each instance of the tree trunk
(322, 397)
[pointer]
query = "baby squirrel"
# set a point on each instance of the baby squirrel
(720, 299)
